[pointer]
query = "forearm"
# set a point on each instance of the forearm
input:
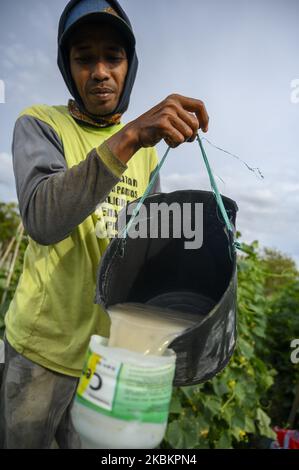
(124, 144)
(54, 199)
(63, 201)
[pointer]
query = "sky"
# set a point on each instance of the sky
(240, 57)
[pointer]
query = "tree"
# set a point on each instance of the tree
(279, 271)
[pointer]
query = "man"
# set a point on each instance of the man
(75, 166)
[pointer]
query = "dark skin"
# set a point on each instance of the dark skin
(103, 64)
(98, 61)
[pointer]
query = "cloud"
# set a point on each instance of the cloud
(29, 68)
(7, 180)
(28, 74)
(268, 210)
(41, 15)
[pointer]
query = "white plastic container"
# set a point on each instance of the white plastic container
(123, 398)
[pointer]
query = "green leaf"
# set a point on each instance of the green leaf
(240, 391)
(183, 433)
(249, 425)
(225, 441)
(202, 443)
(238, 419)
(238, 423)
(213, 404)
(266, 382)
(220, 387)
(175, 405)
(259, 331)
(264, 424)
(202, 424)
(192, 392)
(227, 414)
(246, 348)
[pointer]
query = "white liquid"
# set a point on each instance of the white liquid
(146, 329)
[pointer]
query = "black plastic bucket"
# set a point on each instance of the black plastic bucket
(162, 272)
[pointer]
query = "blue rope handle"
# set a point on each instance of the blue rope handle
(217, 194)
(135, 212)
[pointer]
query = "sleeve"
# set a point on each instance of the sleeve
(53, 199)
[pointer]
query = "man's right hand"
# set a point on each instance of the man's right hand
(176, 119)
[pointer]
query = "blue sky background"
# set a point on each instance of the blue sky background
(238, 56)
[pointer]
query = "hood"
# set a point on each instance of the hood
(77, 11)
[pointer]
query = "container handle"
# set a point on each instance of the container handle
(235, 244)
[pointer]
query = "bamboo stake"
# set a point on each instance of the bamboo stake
(11, 270)
(11, 243)
(2, 260)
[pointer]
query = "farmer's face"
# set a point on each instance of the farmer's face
(99, 67)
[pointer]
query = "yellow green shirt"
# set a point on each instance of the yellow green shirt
(52, 315)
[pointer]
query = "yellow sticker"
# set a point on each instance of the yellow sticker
(88, 372)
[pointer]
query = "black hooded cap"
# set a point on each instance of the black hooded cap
(122, 22)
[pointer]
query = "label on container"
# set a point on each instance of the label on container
(126, 391)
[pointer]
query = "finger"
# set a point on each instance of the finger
(173, 137)
(197, 107)
(170, 143)
(191, 120)
(180, 125)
